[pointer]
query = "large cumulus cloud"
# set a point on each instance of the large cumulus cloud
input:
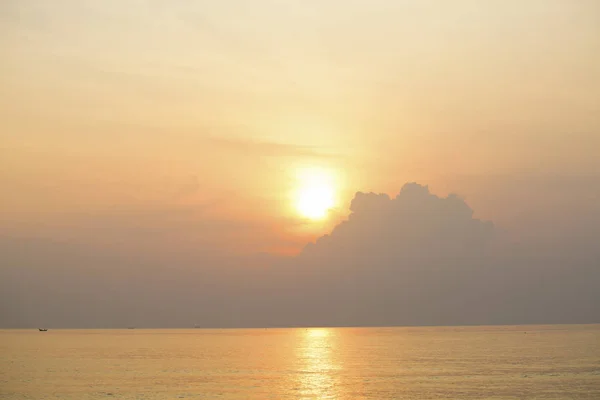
(415, 223)
(419, 259)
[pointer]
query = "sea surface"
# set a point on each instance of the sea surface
(501, 362)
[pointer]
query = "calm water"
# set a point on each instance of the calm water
(525, 362)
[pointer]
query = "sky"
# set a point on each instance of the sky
(153, 155)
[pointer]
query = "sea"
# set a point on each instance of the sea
(483, 362)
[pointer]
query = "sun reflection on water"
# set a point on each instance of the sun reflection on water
(319, 377)
(317, 332)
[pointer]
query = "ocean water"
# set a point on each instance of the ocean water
(506, 362)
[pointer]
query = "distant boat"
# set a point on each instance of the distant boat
(43, 330)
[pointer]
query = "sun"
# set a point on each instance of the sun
(315, 195)
(314, 202)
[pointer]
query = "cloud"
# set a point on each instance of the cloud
(415, 221)
(415, 259)
(269, 149)
(419, 259)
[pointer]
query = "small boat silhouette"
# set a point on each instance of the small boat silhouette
(43, 330)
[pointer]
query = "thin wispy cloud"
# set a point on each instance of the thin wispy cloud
(272, 149)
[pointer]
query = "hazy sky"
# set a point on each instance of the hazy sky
(177, 130)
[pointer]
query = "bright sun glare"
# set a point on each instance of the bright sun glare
(315, 194)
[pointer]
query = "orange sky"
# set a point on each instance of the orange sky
(190, 120)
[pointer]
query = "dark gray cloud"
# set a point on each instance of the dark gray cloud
(416, 259)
